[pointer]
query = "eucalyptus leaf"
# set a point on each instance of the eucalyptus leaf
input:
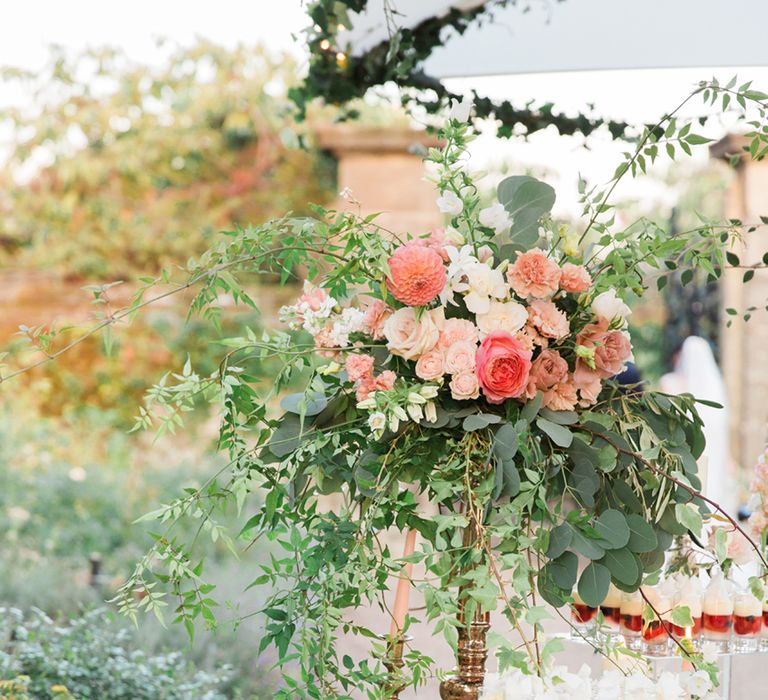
(560, 538)
(591, 549)
(532, 407)
(594, 583)
(559, 434)
(478, 421)
(613, 528)
(622, 564)
(527, 200)
(642, 536)
(563, 570)
(309, 404)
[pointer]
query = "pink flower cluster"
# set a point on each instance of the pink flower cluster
(508, 340)
(360, 371)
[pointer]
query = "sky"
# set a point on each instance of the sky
(634, 95)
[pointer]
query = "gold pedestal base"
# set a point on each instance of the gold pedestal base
(393, 663)
(472, 654)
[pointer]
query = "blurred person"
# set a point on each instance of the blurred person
(695, 371)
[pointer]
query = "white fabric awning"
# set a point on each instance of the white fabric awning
(579, 35)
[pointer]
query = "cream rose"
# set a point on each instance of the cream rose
(410, 337)
(460, 357)
(607, 306)
(430, 365)
(464, 386)
(502, 316)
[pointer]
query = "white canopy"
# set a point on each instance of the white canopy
(578, 35)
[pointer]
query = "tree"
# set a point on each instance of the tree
(122, 169)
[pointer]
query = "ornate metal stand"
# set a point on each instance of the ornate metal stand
(393, 663)
(472, 654)
(472, 650)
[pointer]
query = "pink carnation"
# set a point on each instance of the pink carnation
(548, 319)
(364, 388)
(612, 348)
(324, 342)
(460, 357)
(561, 397)
(385, 381)
(575, 279)
(455, 330)
(417, 275)
(548, 369)
(503, 365)
(359, 367)
(436, 241)
(313, 297)
(430, 365)
(375, 314)
(533, 274)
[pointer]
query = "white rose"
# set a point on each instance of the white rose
(496, 217)
(608, 306)
(408, 337)
(460, 109)
(449, 203)
(502, 316)
(483, 283)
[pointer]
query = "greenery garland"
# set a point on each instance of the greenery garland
(338, 78)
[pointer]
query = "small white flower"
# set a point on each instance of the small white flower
(368, 403)
(415, 412)
(413, 397)
(496, 217)
(330, 368)
(377, 422)
(428, 391)
(608, 306)
(453, 236)
(483, 284)
(460, 110)
(346, 194)
(394, 423)
(399, 412)
(430, 412)
(77, 474)
(449, 203)
(697, 683)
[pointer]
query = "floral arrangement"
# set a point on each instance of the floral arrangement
(560, 684)
(460, 385)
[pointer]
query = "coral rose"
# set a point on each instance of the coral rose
(502, 316)
(410, 337)
(503, 366)
(430, 365)
(575, 279)
(456, 329)
(464, 386)
(548, 319)
(612, 348)
(460, 357)
(533, 274)
(417, 275)
(375, 314)
(548, 369)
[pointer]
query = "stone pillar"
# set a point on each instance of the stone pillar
(385, 172)
(743, 344)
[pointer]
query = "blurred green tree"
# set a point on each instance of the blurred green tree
(118, 170)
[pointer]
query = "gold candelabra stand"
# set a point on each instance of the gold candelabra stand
(472, 654)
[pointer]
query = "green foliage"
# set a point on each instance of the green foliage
(91, 658)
